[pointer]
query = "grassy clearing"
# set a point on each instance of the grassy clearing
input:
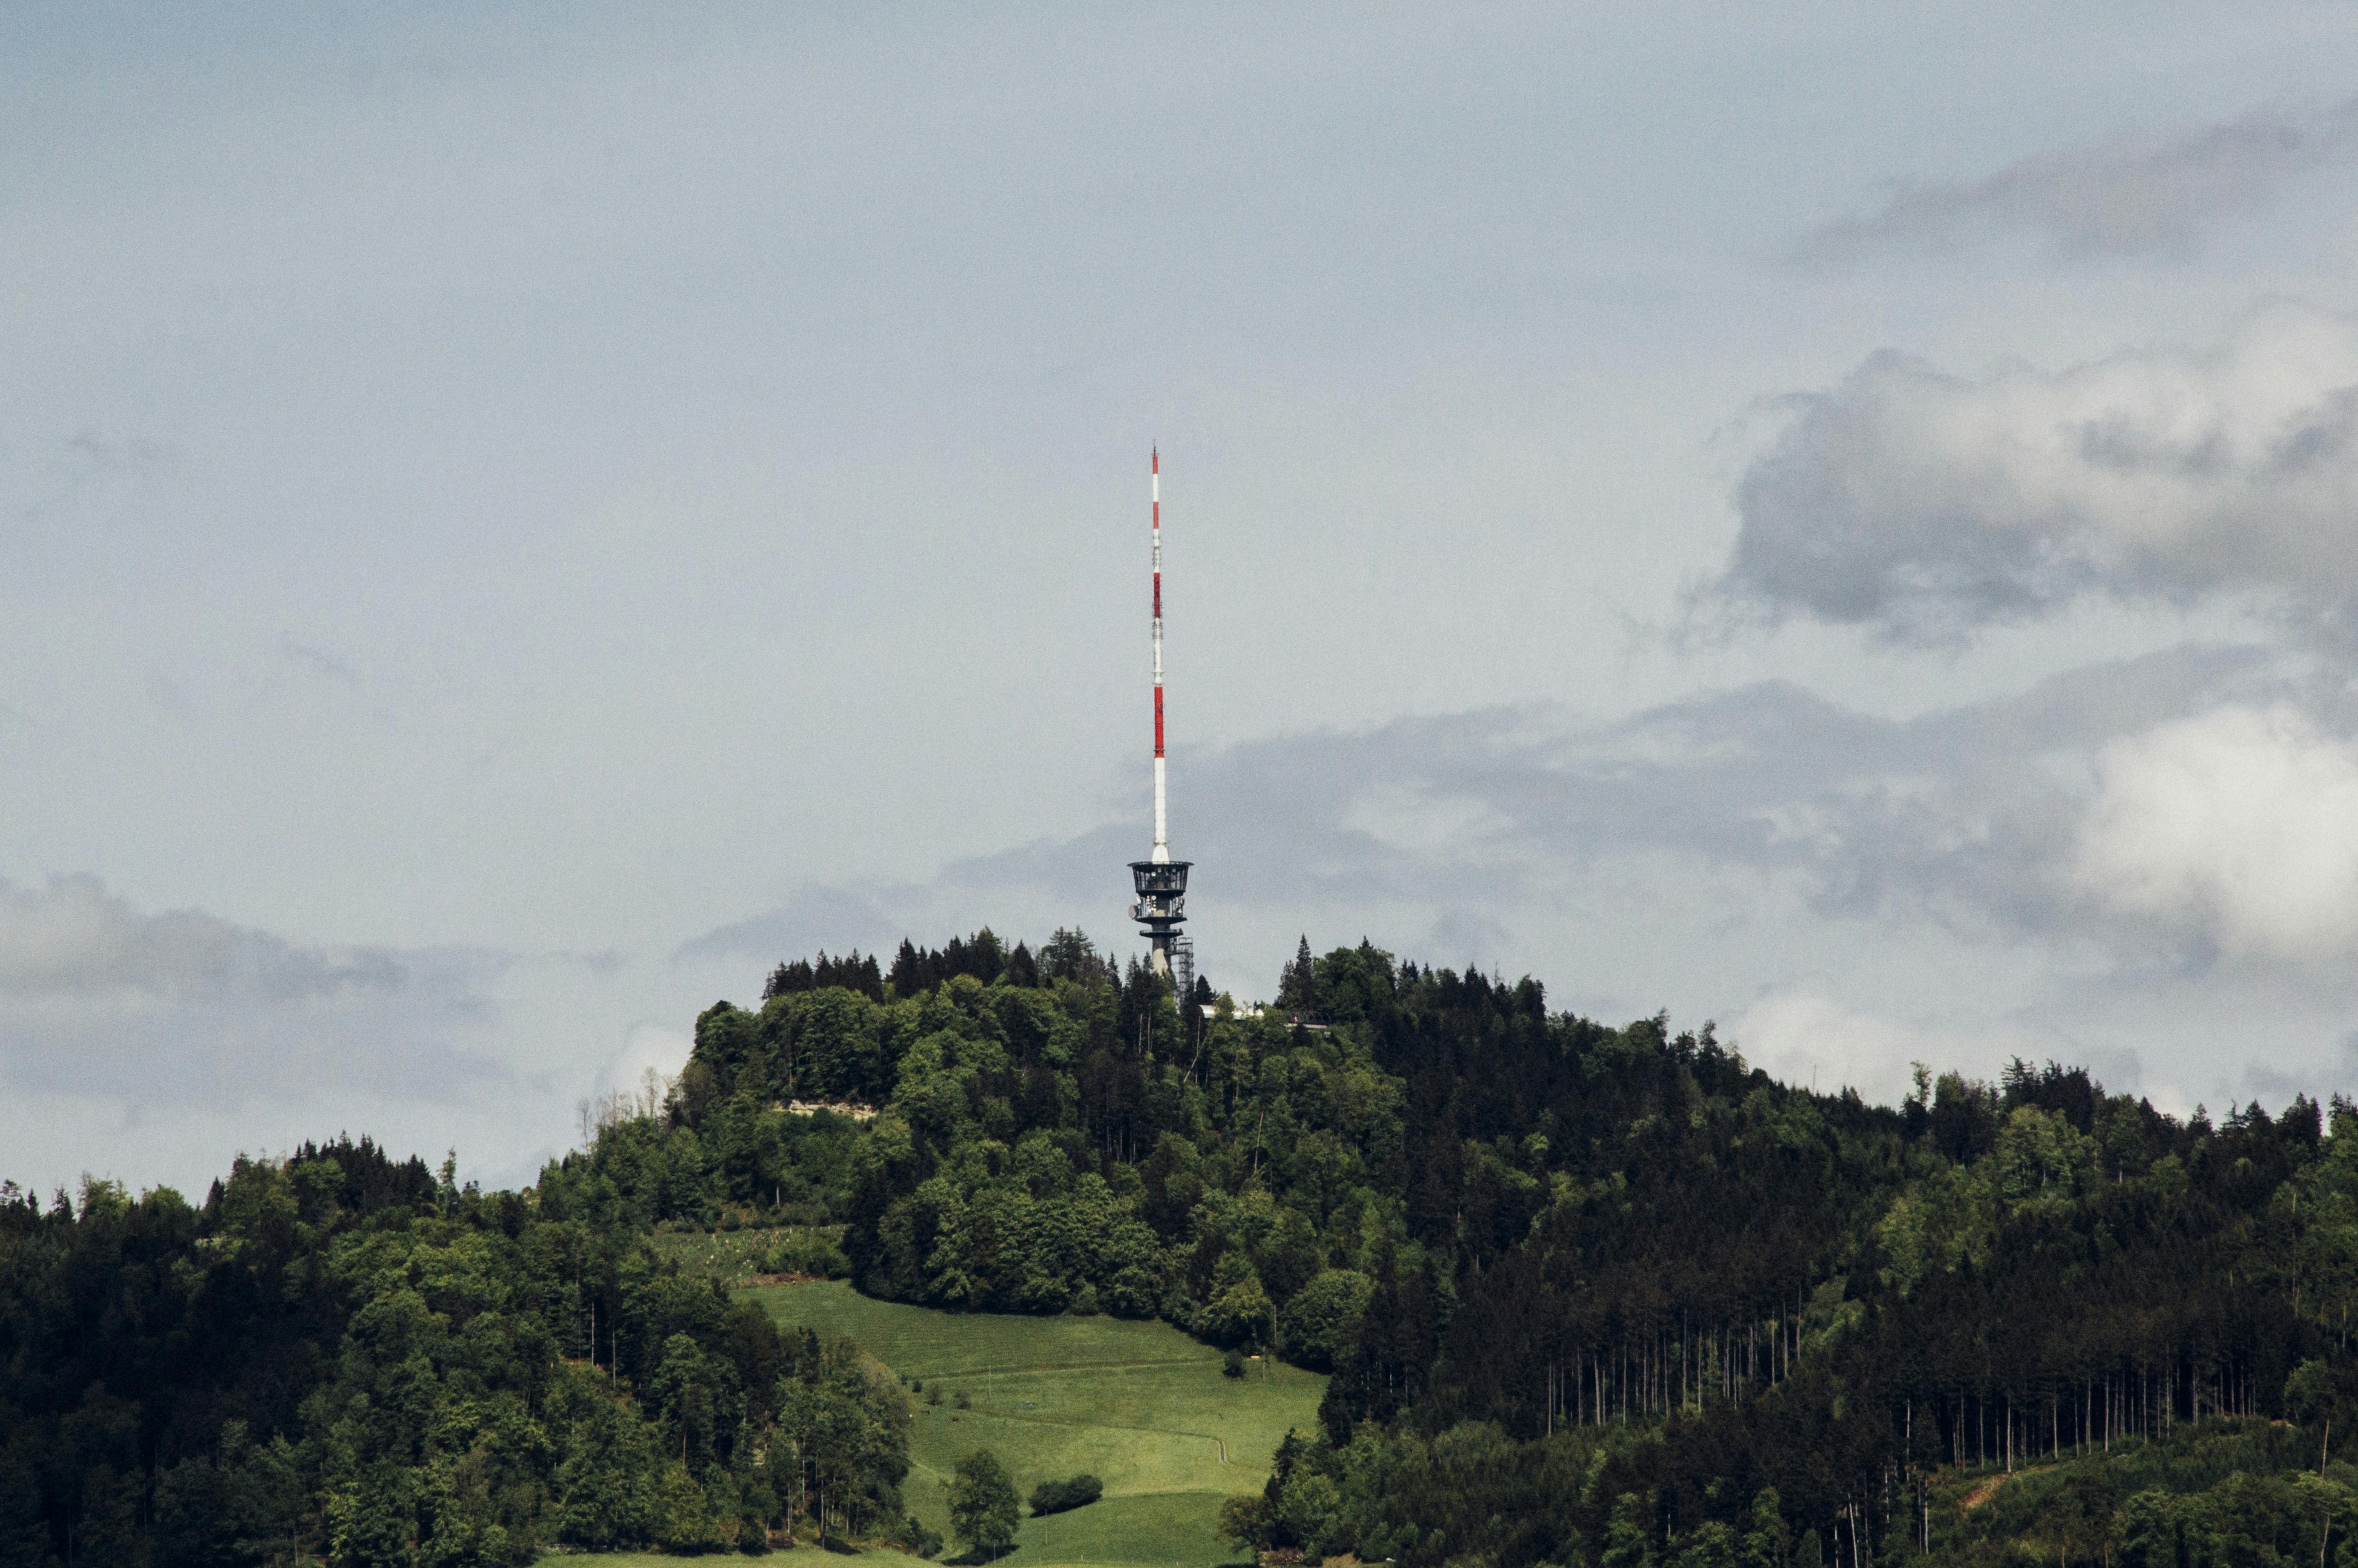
(1140, 1405)
(734, 1255)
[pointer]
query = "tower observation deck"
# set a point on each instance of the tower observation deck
(1159, 881)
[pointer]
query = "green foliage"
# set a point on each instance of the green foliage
(1623, 1251)
(1239, 1311)
(1249, 1521)
(982, 1505)
(1062, 1496)
(916, 1537)
(1584, 1290)
(809, 1253)
(342, 1357)
(1320, 1325)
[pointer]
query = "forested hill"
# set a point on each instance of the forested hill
(344, 1357)
(1589, 1294)
(1573, 1279)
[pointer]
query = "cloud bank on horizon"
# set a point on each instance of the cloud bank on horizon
(502, 560)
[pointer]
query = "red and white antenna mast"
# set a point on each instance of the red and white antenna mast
(1160, 881)
(1162, 856)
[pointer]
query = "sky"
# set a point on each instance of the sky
(1841, 521)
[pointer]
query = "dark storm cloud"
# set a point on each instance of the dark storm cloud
(1926, 506)
(2121, 194)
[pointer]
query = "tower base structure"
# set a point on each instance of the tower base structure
(1162, 906)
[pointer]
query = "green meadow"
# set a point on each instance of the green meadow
(1140, 1405)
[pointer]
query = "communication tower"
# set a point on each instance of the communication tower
(1160, 881)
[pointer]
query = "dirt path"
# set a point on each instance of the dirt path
(1982, 1493)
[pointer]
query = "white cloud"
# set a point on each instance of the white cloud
(2123, 193)
(1927, 504)
(646, 1048)
(2239, 825)
(1808, 1038)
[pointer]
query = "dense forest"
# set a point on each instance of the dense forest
(342, 1356)
(1589, 1295)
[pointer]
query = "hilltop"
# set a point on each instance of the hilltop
(1582, 1292)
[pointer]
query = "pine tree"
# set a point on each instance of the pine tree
(1297, 984)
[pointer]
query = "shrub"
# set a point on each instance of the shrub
(911, 1535)
(807, 1252)
(1057, 1496)
(1232, 1364)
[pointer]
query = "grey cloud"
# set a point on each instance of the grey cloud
(813, 917)
(98, 996)
(2122, 194)
(320, 661)
(73, 938)
(2057, 819)
(413, 1048)
(1926, 506)
(86, 477)
(1964, 817)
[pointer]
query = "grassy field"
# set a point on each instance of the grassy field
(1140, 1405)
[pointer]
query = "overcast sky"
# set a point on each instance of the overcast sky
(1840, 520)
